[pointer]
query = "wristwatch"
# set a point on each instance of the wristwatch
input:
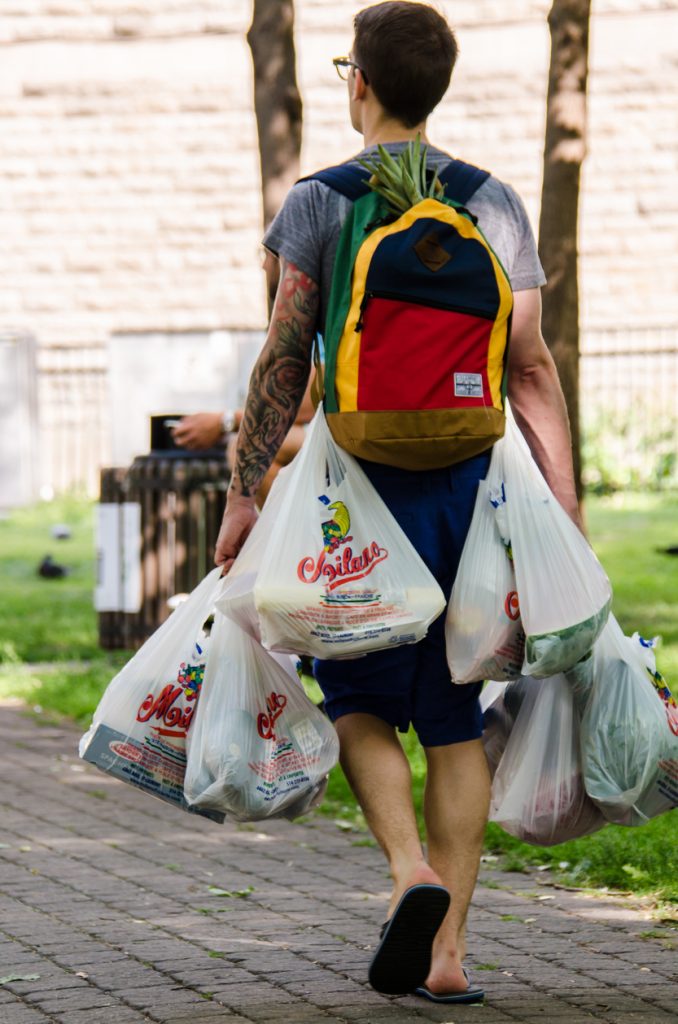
(228, 421)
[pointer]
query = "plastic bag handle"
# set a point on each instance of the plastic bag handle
(319, 440)
(318, 385)
(189, 616)
(336, 467)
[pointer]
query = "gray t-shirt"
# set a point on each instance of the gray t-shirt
(307, 227)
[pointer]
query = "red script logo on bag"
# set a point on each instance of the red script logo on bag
(175, 719)
(347, 567)
(511, 606)
(275, 704)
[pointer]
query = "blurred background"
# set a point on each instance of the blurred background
(131, 214)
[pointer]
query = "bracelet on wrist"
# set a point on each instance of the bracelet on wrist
(228, 422)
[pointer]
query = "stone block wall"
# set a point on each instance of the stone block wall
(130, 170)
(130, 175)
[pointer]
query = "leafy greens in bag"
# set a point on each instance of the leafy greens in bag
(565, 595)
(629, 735)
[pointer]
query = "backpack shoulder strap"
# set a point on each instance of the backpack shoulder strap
(462, 180)
(347, 180)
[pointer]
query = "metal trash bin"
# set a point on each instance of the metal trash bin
(157, 527)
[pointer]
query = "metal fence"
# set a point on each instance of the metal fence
(73, 416)
(629, 408)
(157, 526)
(624, 371)
(627, 377)
(18, 420)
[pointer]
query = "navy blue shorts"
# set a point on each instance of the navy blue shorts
(412, 684)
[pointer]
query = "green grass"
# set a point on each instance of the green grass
(49, 650)
(69, 690)
(50, 624)
(629, 533)
(639, 860)
(47, 620)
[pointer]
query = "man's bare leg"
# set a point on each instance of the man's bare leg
(379, 774)
(456, 805)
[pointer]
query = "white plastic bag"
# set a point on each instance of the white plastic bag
(237, 593)
(565, 595)
(629, 730)
(538, 791)
(259, 748)
(337, 577)
(497, 723)
(139, 729)
(484, 636)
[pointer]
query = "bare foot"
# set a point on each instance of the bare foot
(446, 974)
(423, 874)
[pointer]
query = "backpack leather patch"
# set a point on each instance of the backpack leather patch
(431, 253)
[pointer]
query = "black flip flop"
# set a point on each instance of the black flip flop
(402, 959)
(471, 995)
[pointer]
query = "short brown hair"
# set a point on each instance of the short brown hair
(407, 51)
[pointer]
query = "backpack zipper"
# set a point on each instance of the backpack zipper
(466, 310)
(363, 305)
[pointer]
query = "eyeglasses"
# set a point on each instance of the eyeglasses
(344, 65)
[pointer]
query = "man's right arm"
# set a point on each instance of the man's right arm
(277, 386)
(537, 400)
(271, 266)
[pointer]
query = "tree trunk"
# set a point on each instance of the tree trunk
(277, 102)
(564, 150)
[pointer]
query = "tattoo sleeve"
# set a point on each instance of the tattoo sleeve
(278, 379)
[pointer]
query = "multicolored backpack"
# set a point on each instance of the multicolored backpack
(417, 326)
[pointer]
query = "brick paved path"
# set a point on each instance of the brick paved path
(106, 911)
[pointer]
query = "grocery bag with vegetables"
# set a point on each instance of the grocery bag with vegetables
(564, 593)
(531, 738)
(629, 732)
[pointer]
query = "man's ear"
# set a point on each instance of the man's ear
(359, 86)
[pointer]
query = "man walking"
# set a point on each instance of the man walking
(397, 71)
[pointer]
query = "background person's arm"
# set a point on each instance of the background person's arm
(277, 385)
(538, 402)
(202, 430)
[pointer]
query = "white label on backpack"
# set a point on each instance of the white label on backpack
(468, 385)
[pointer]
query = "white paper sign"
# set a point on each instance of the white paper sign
(131, 556)
(118, 547)
(107, 533)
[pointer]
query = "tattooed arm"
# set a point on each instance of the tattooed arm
(276, 390)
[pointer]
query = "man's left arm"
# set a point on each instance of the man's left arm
(538, 402)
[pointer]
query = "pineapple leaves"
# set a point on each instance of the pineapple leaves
(403, 181)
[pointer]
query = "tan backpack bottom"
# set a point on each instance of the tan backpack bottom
(417, 439)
